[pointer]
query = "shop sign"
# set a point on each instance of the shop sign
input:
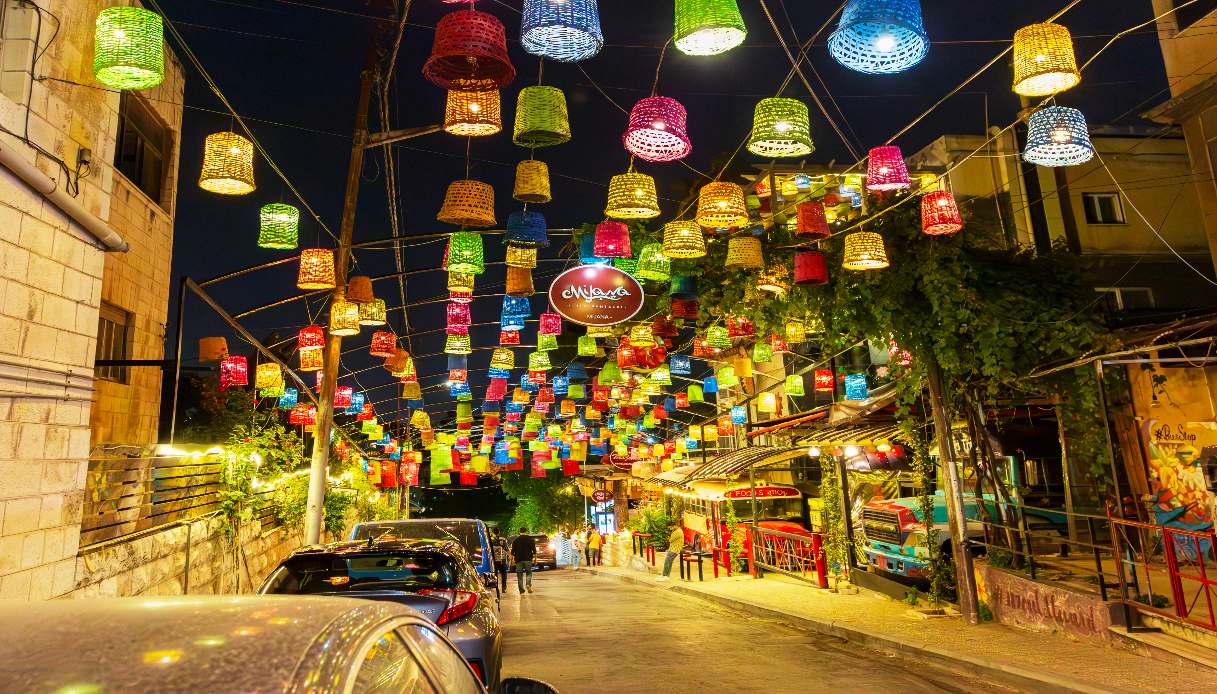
(761, 493)
(622, 462)
(602, 495)
(1019, 602)
(596, 295)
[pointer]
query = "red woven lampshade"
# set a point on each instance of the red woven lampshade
(812, 221)
(312, 337)
(234, 371)
(612, 240)
(384, 344)
(810, 267)
(509, 337)
(657, 130)
(885, 169)
(469, 52)
(551, 323)
(939, 213)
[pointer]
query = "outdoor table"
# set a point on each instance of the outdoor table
(686, 565)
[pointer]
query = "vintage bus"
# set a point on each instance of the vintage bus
(779, 507)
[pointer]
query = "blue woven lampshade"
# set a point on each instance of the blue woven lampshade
(587, 251)
(880, 37)
(683, 287)
(1058, 136)
(526, 229)
(566, 30)
(576, 371)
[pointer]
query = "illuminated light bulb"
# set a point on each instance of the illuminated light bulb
(234, 150)
(474, 107)
(1040, 58)
(722, 204)
(883, 447)
(781, 126)
(885, 43)
(659, 125)
(851, 450)
(884, 169)
(639, 192)
(813, 452)
(119, 33)
(1061, 135)
(944, 202)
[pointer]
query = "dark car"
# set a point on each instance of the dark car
(547, 552)
(470, 532)
(434, 577)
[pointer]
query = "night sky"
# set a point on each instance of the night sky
(292, 68)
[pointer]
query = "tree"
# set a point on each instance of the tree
(543, 503)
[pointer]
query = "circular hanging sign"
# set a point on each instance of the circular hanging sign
(621, 462)
(602, 495)
(596, 295)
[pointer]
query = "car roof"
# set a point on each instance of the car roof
(179, 643)
(394, 544)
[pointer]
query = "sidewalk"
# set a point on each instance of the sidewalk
(1030, 661)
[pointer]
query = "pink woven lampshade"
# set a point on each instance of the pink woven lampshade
(939, 213)
(885, 169)
(612, 240)
(459, 314)
(551, 323)
(469, 52)
(810, 267)
(812, 221)
(657, 130)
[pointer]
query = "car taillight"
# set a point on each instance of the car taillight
(460, 603)
(477, 670)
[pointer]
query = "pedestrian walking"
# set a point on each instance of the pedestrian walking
(594, 540)
(577, 547)
(676, 545)
(498, 549)
(523, 551)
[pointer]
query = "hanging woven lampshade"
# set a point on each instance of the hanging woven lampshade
(228, 164)
(567, 31)
(129, 48)
(234, 371)
(812, 220)
(359, 289)
(597, 331)
(939, 213)
(312, 360)
(519, 282)
(468, 204)
(642, 335)
(686, 309)
(397, 364)
(586, 346)
(268, 375)
(532, 182)
(632, 196)
(526, 228)
(458, 344)
(465, 253)
(458, 315)
(657, 130)
(810, 267)
(342, 396)
(718, 336)
(767, 404)
(626, 265)
(539, 361)
(460, 283)
(316, 269)
(384, 344)
(775, 280)
(541, 117)
(794, 385)
(708, 27)
(683, 240)
(1058, 136)
(781, 128)
(412, 391)
(344, 318)
(727, 377)
(653, 264)
(278, 226)
(612, 240)
(521, 256)
(762, 353)
(745, 252)
(550, 323)
(1044, 63)
(473, 113)
(880, 37)
(721, 205)
(212, 348)
(310, 338)
(503, 358)
(469, 52)
(373, 312)
(885, 169)
(796, 331)
(682, 287)
(547, 343)
(288, 399)
(864, 250)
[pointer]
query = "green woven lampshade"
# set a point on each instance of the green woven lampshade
(708, 27)
(458, 344)
(762, 353)
(727, 377)
(539, 361)
(465, 254)
(626, 265)
(718, 336)
(279, 226)
(129, 48)
(587, 346)
(632, 196)
(541, 117)
(547, 343)
(781, 128)
(794, 385)
(653, 264)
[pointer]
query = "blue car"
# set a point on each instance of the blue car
(470, 533)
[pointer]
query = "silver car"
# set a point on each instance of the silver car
(259, 644)
(434, 577)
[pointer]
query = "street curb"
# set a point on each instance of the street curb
(1007, 674)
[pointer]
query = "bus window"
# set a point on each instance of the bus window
(784, 509)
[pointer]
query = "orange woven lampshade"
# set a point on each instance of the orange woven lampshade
(519, 282)
(721, 205)
(359, 289)
(212, 348)
(745, 252)
(520, 256)
(532, 182)
(316, 269)
(468, 203)
(312, 359)
(473, 113)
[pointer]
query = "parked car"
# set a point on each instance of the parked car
(547, 552)
(249, 644)
(470, 532)
(433, 577)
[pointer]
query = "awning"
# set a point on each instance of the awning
(730, 464)
(853, 435)
(671, 478)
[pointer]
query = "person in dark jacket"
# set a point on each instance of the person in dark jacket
(498, 547)
(523, 551)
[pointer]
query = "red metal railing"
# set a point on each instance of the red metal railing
(1184, 559)
(800, 556)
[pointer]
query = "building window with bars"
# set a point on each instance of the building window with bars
(142, 147)
(1121, 299)
(1103, 208)
(113, 342)
(1190, 13)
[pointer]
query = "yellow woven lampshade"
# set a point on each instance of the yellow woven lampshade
(683, 240)
(316, 269)
(373, 312)
(1044, 62)
(521, 256)
(473, 113)
(721, 205)
(632, 196)
(864, 250)
(532, 182)
(458, 344)
(745, 252)
(541, 117)
(344, 318)
(212, 348)
(411, 391)
(519, 282)
(460, 282)
(228, 164)
(595, 331)
(775, 279)
(503, 358)
(642, 335)
(359, 289)
(268, 375)
(468, 204)
(312, 359)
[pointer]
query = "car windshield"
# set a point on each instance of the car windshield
(328, 573)
(464, 532)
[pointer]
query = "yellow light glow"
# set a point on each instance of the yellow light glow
(162, 657)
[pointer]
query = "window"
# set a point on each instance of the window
(143, 142)
(1127, 298)
(389, 667)
(1103, 208)
(445, 662)
(328, 573)
(1189, 15)
(113, 342)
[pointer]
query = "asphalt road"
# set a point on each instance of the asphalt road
(584, 633)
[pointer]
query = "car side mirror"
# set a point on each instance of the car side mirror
(523, 685)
